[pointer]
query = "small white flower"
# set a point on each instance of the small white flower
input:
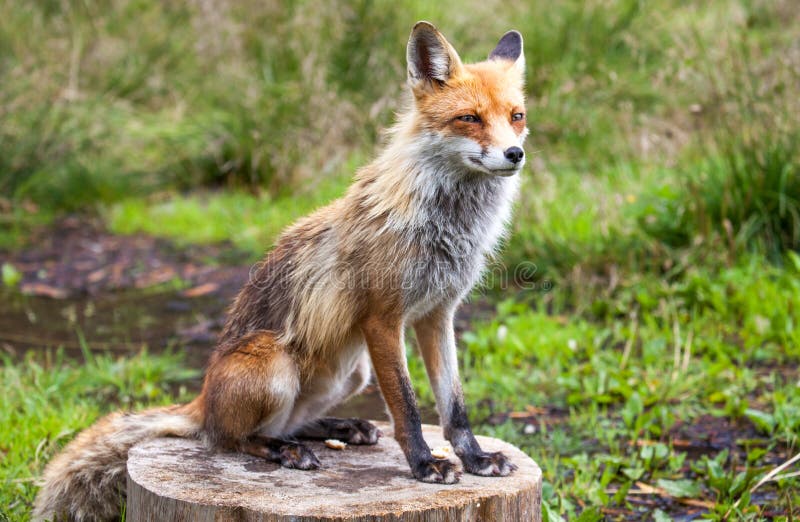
(572, 344)
(762, 324)
(502, 333)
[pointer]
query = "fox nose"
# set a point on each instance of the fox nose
(514, 154)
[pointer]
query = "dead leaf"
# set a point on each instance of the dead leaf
(646, 489)
(201, 290)
(44, 290)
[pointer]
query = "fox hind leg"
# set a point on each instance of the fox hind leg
(288, 453)
(259, 381)
(352, 431)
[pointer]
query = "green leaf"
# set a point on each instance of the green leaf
(591, 514)
(765, 421)
(632, 409)
(549, 514)
(680, 488)
(795, 259)
(660, 516)
(619, 497)
(633, 473)
(740, 482)
(654, 451)
(11, 276)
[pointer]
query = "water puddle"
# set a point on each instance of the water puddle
(120, 322)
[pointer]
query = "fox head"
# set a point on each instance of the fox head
(474, 114)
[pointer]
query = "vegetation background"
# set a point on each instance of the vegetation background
(657, 231)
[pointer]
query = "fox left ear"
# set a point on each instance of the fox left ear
(509, 48)
(431, 58)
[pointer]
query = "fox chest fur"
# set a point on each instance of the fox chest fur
(459, 223)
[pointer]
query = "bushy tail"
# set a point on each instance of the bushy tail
(86, 482)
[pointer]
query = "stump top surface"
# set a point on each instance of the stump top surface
(358, 481)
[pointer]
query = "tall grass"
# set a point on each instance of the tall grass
(751, 187)
(743, 193)
(102, 100)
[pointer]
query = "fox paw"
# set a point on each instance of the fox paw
(357, 431)
(298, 456)
(437, 472)
(488, 464)
(351, 431)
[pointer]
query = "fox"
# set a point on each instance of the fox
(329, 305)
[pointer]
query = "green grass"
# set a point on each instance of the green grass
(101, 101)
(665, 355)
(741, 188)
(48, 398)
(251, 222)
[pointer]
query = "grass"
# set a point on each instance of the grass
(101, 101)
(745, 185)
(251, 222)
(48, 398)
(624, 387)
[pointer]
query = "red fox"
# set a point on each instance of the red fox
(329, 304)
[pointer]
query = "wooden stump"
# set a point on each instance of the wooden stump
(180, 480)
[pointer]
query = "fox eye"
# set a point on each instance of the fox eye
(469, 118)
(517, 116)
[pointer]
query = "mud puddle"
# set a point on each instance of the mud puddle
(121, 322)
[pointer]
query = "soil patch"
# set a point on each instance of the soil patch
(76, 257)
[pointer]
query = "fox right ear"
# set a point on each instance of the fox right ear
(431, 59)
(509, 48)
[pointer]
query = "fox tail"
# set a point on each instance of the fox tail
(86, 482)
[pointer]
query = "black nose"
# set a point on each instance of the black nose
(514, 154)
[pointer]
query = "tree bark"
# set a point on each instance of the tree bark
(180, 480)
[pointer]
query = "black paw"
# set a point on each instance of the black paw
(488, 464)
(298, 456)
(356, 431)
(436, 471)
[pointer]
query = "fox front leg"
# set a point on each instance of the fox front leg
(437, 343)
(385, 342)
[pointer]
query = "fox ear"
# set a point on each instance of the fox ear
(510, 48)
(431, 59)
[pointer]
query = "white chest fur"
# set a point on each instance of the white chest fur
(459, 222)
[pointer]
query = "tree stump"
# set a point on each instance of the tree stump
(180, 480)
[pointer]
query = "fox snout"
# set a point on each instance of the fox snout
(499, 161)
